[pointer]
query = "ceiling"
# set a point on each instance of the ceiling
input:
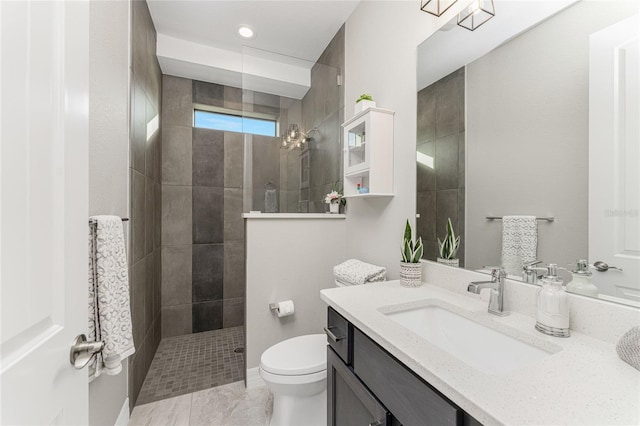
(198, 39)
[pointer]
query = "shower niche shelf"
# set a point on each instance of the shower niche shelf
(368, 154)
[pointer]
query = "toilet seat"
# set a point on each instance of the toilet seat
(296, 356)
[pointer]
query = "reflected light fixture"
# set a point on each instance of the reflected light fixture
(293, 137)
(246, 32)
(436, 7)
(476, 14)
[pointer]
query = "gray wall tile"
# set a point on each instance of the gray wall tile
(138, 126)
(176, 155)
(208, 157)
(425, 175)
(177, 105)
(233, 98)
(149, 284)
(152, 140)
(149, 215)
(138, 302)
(157, 221)
(176, 215)
(233, 312)
(208, 93)
(446, 162)
(426, 224)
(233, 221)
(207, 316)
(176, 320)
(426, 115)
(208, 272)
(138, 216)
(233, 160)
(234, 270)
(176, 275)
(208, 215)
(446, 207)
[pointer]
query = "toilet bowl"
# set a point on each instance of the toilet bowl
(296, 371)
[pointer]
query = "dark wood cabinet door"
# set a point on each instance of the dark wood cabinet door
(349, 403)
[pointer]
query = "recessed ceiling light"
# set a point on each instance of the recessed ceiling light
(246, 32)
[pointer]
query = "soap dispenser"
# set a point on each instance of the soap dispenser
(581, 283)
(552, 313)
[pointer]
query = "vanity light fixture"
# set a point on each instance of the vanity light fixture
(293, 137)
(246, 32)
(476, 14)
(436, 7)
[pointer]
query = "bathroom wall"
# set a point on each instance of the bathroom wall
(440, 187)
(109, 158)
(288, 259)
(383, 63)
(144, 167)
(203, 179)
(540, 135)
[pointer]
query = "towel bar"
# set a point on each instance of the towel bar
(124, 219)
(548, 219)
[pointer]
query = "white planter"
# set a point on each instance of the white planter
(449, 262)
(411, 274)
(334, 208)
(362, 105)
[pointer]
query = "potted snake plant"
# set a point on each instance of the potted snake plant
(410, 266)
(448, 247)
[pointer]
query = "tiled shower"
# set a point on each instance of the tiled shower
(207, 180)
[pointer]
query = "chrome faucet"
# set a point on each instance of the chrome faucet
(530, 274)
(496, 301)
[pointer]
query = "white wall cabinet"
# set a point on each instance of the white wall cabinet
(368, 154)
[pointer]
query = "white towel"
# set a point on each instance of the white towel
(354, 272)
(519, 242)
(628, 347)
(109, 310)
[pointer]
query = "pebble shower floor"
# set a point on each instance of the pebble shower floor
(193, 362)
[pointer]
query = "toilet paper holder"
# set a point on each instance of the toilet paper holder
(273, 307)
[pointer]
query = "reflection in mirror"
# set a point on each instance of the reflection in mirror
(545, 112)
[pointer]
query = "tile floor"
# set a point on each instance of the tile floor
(227, 405)
(193, 362)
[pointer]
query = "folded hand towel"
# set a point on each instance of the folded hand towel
(354, 271)
(519, 242)
(628, 347)
(109, 310)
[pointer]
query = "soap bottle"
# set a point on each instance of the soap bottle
(581, 283)
(552, 313)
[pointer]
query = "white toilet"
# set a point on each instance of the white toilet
(296, 371)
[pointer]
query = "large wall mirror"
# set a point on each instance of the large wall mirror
(535, 113)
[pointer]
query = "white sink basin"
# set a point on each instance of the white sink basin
(477, 345)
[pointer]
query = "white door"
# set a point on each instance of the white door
(43, 219)
(614, 157)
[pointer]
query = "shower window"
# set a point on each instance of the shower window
(234, 123)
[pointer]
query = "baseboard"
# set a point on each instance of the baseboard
(253, 378)
(123, 417)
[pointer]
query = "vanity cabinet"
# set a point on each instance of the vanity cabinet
(371, 387)
(368, 153)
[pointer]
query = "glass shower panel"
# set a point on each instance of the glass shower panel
(303, 161)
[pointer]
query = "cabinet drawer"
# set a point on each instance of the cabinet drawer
(411, 400)
(339, 335)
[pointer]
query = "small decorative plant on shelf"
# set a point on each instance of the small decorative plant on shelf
(448, 248)
(363, 102)
(335, 199)
(410, 266)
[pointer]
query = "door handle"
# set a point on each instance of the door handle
(331, 335)
(82, 351)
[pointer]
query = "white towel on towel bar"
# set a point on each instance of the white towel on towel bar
(109, 306)
(353, 272)
(519, 242)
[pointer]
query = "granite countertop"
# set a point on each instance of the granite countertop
(583, 383)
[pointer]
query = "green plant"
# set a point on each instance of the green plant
(411, 250)
(364, 97)
(448, 248)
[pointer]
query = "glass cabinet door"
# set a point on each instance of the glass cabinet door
(357, 146)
